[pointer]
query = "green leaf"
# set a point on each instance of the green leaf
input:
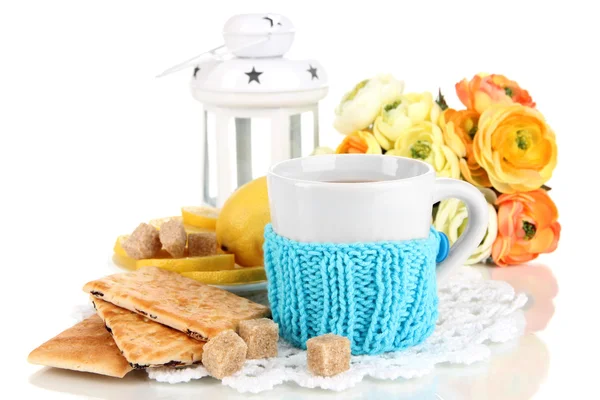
(441, 101)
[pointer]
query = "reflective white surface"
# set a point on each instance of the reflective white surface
(516, 369)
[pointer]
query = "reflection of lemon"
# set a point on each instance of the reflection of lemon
(200, 217)
(235, 276)
(241, 223)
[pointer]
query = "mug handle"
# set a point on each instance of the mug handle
(478, 212)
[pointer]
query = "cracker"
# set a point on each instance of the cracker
(197, 309)
(85, 347)
(145, 343)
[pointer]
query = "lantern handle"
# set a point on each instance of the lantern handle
(214, 54)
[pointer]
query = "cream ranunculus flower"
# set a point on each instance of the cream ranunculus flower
(399, 115)
(359, 107)
(451, 218)
(322, 150)
(424, 141)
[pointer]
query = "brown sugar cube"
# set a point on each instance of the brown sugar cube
(202, 244)
(144, 242)
(224, 354)
(328, 355)
(261, 336)
(173, 237)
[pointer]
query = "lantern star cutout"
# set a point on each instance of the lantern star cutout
(196, 70)
(253, 76)
(313, 72)
(271, 21)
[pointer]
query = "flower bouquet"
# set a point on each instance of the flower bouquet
(499, 142)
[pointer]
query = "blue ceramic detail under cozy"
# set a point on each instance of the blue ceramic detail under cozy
(382, 295)
(444, 247)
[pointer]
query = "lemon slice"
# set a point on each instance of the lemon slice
(200, 217)
(118, 247)
(191, 264)
(157, 223)
(124, 261)
(235, 276)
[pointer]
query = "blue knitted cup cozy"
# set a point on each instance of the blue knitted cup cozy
(382, 295)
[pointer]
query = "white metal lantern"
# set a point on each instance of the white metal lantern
(259, 107)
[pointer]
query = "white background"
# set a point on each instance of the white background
(92, 144)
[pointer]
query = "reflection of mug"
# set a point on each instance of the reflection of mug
(515, 374)
(351, 249)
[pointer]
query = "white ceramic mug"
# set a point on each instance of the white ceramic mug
(381, 198)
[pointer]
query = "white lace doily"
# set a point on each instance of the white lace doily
(473, 312)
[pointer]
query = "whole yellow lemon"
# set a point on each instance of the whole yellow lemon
(241, 223)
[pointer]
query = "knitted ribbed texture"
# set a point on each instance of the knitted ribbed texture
(382, 296)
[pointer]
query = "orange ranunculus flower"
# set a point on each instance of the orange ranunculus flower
(459, 129)
(516, 148)
(473, 173)
(484, 90)
(359, 142)
(527, 226)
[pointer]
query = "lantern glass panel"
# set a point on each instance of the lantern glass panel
(310, 133)
(210, 160)
(261, 148)
(249, 149)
